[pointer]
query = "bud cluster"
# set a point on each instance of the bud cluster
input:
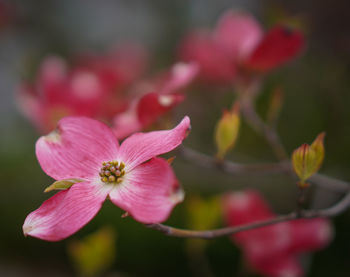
(111, 172)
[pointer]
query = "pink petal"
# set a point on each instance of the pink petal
(141, 147)
(214, 64)
(310, 235)
(279, 46)
(238, 33)
(52, 79)
(243, 208)
(266, 243)
(281, 266)
(66, 212)
(126, 123)
(76, 149)
(149, 192)
(181, 75)
(29, 104)
(247, 207)
(152, 105)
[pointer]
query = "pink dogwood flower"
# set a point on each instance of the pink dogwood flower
(273, 250)
(239, 45)
(93, 86)
(146, 108)
(130, 175)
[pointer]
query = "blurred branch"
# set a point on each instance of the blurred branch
(269, 132)
(334, 210)
(259, 169)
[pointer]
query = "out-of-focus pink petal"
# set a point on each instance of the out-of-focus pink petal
(281, 266)
(266, 243)
(279, 46)
(76, 149)
(238, 34)
(52, 78)
(29, 104)
(180, 76)
(66, 212)
(141, 147)
(214, 64)
(310, 235)
(152, 105)
(149, 192)
(126, 123)
(245, 207)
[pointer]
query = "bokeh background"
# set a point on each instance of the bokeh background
(317, 98)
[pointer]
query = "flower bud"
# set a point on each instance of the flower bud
(227, 130)
(307, 159)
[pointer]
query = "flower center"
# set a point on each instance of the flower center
(112, 172)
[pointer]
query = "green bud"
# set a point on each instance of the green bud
(227, 131)
(307, 159)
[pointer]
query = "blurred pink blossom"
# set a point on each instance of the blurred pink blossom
(157, 97)
(239, 45)
(273, 250)
(110, 88)
(130, 175)
(93, 86)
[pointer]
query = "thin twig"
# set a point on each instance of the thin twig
(211, 234)
(207, 161)
(270, 134)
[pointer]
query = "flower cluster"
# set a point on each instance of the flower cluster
(238, 46)
(273, 250)
(109, 88)
(92, 87)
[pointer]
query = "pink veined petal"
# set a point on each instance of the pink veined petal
(141, 147)
(76, 149)
(66, 212)
(238, 33)
(149, 192)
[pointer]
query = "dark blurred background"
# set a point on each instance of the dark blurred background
(317, 98)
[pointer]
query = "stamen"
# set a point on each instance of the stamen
(112, 171)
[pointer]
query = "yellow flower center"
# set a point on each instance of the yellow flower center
(112, 172)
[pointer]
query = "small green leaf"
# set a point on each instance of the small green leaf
(62, 184)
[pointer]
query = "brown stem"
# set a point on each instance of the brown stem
(211, 234)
